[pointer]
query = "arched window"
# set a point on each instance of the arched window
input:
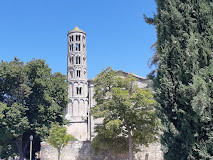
(78, 90)
(78, 73)
(71, 74)
(71, 38)
(71, 47)
(78, 60)
(78, 38)
(77, 46)
(71, 60)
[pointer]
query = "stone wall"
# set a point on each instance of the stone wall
(82, 151)
(153, 152)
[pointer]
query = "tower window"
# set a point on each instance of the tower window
(71, 60)
(78, 90)
(78, 38)
(71, 38)
(71, 74)
(71, 47)
(78, 60)
(77, 45)
(78, 73)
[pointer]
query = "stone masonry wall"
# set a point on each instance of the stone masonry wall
(82, 151)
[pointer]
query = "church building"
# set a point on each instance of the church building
(80, 94)
(80, 89)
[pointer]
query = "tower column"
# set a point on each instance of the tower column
(78, 86)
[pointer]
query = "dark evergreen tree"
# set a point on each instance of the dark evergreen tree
(184, 81)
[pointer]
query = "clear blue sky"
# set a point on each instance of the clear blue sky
(117, 35)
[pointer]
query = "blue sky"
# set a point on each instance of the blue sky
(117, 35)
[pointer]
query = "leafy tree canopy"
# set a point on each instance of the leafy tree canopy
(59, 138)
(127, 111)
(31, 98)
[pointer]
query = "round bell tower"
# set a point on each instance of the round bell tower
(77, 84)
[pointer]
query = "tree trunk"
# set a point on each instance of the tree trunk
(59, 154)
(130, 144)
(19, 146)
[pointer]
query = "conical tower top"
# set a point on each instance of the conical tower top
(77, 29)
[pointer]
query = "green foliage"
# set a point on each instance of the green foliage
(58, 137)
(184, 87)
(153, 61)
(126, 110)
(31, 98)
(109, 141)
(8, 149)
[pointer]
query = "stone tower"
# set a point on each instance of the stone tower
(77, 84)
(81, 122)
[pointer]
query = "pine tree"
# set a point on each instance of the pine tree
(184, 81)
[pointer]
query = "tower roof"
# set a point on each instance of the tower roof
(77, 29)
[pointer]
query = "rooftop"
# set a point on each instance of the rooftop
(76, 29)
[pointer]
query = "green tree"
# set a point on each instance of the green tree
(184, 82)
(153, 61)
(31, 98)
(127, 111)
(58, 138)
(7, 150)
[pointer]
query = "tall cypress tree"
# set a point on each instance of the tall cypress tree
(184, 81)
